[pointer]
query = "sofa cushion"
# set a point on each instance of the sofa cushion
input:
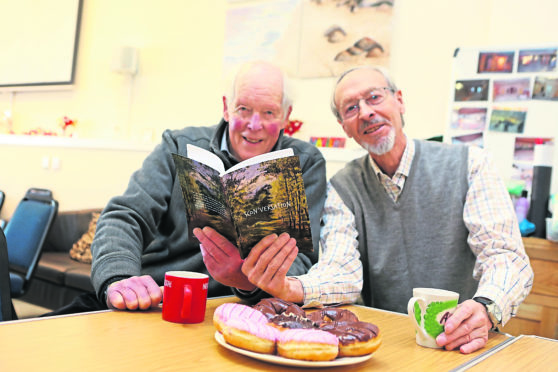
(67, 228)
(59, 268)
(79, 278)
(81, 250)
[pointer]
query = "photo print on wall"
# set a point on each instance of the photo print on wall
(471, 90)
(537, 60)
(508, 120)
(511, 90)
(469, 118)
(545, 88)
(473, 139)
(495, 62)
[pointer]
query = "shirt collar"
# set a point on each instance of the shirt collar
(225, 147)
(405, 164)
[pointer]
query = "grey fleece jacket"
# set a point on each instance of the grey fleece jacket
(144, 231)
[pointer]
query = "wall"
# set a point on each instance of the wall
(81, 175)
(179, 82)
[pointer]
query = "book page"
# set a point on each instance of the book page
(205, 157)
(204, 201)
(261, 158)
(266, 198)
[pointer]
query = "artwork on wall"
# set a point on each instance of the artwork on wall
(537, 60)
(469, 118)
(508, 120)
(511, 89)
(252, 31)
(495, 62)
(473, 139)
(545, 88)
(310, 38)
(471, 90)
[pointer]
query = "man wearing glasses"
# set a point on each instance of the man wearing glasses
(415, 213)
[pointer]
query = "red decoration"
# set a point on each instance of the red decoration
(293, 126)
(67, 123)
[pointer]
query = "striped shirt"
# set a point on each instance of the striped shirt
(502, 266)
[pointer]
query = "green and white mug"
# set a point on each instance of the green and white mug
(429, 309)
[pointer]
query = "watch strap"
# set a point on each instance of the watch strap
(492, 310)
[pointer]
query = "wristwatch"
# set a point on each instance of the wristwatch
(493, 311)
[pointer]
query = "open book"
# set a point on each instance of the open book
(257, 197)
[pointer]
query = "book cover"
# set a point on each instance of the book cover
(251, 200)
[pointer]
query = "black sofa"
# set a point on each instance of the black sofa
(58, 278)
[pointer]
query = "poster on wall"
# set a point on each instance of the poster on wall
(506, 100)
(310, 38)
(253, 30)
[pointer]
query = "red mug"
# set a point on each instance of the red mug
(185, 296)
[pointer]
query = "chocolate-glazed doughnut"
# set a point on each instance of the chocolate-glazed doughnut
(332, 314)
(274, 306)
(355, 338)
(291, 321)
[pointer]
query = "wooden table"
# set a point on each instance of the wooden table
(519, 355)
(142, 341)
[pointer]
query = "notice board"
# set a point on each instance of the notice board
(505, 100)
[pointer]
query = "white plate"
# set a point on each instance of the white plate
(291, 362)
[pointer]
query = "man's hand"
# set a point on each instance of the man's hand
(467, 328)
(137, 292)
(222, 259)
(268, 263)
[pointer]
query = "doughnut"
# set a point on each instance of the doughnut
(245, 334)
(355, 338)
(273, 306)
(228, 311)
(291, 321)
(332, 314)
(307, 344)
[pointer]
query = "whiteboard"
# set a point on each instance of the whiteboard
(38, 42)
(491, 85)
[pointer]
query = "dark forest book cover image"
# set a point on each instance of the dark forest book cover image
(247, 202)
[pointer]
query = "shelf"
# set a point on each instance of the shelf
(54, 141)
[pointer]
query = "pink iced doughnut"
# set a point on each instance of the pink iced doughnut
(258, 337)
(307, 344)
(228, 311)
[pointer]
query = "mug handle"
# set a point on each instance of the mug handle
(186, 302)
(411, 312)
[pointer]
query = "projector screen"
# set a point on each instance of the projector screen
(38, 43)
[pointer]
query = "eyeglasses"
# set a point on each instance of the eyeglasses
(373, 97)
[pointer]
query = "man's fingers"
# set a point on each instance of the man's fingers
(258, 261)
(472, 346)
(459, 316)
(279, 276)
(133, 293)
(216, 238)
(256, 251)
(270, 273)
(470, 341)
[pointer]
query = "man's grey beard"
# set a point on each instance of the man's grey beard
(384, 146)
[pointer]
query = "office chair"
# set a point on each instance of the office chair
(2, 197)
(25, 234)
(6, 306)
